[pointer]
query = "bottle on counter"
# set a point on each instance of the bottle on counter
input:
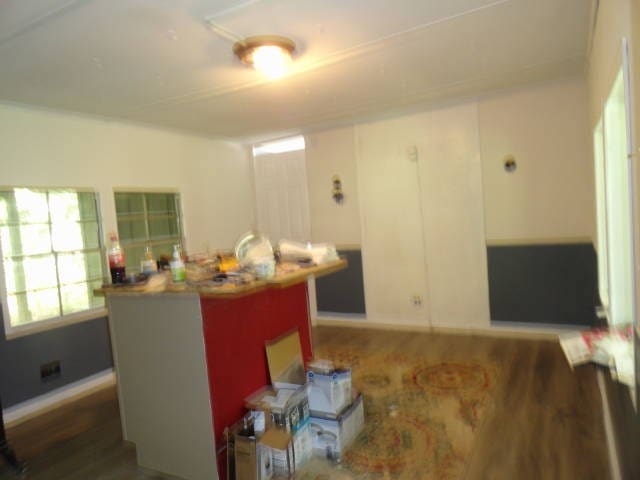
(178, 271)
(116, 260)
(148, 265)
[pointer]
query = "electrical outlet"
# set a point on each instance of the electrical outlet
(416, 300)
(50, 371)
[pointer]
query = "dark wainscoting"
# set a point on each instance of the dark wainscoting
(543, 284)
(83, 349)
(343, 292)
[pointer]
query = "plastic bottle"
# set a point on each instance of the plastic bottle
(116, 260)
(178, 271)
(148, 265)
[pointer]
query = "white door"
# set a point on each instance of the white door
(421, 203)
(393, 259)
(452, 199)
(281, 196)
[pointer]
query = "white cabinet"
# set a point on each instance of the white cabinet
(420, 185)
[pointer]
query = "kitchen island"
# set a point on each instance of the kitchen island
(186, 358)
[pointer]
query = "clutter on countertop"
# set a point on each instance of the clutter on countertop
(252, 261)
(610, 347)
(318, 253)
(251, 246)
(176, 265)
(116, 260)
(148, 265)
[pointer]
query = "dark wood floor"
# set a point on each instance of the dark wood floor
(546, 422)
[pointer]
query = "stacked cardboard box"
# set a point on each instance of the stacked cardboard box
(337, 414)
(301, 414)
(286, 432)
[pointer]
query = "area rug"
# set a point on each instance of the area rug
(421, 417)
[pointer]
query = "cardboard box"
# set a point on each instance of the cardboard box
(289, 453)
(332, 436)
(230, 434)
(329, 393)
(247, 458)
(294, 412)
(285, 408)
(288, 434)
(253, 460)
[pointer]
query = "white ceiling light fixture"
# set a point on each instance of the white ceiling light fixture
(271, 55)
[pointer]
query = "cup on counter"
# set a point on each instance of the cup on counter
(264, 267)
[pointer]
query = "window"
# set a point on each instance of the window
(147, 219)
(51, 254)
(601, 216)
(291, 144)
(618, 201)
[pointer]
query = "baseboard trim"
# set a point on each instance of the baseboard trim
(612, 449)
(42, 404)
(526, 332)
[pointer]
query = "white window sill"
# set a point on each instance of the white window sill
(51, 324)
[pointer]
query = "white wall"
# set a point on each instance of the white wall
(635, 55)
(612, 24)
(330, 153)
(43, 148)
(550, 197)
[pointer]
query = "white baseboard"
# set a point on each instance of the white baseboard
(34, 407)
(543, 332)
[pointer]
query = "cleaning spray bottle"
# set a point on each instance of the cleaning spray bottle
(178, 271)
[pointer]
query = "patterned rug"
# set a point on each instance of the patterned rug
(420, 417)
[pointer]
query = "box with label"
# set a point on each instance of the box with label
(292, 409)
(297, 452)
(252, 459)
(332, 436)
(330, 392)
(286, 408)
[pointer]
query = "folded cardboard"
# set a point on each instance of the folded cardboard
(332, 436)
(284, 357)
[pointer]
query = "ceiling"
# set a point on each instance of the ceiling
(159, 62)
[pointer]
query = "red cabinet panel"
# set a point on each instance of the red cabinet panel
(235, 332)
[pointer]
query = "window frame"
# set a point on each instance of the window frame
(632, 304)
(143, 191)
(618, 309)
(38, 326)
